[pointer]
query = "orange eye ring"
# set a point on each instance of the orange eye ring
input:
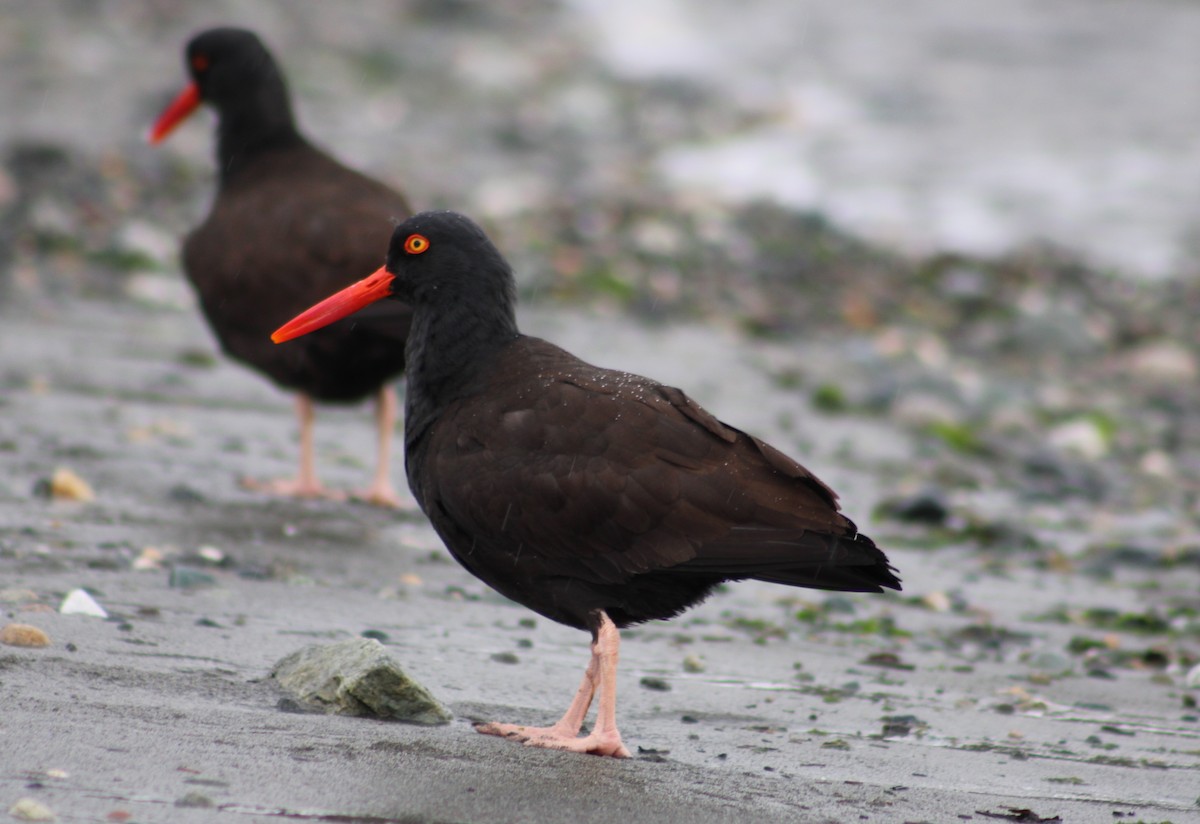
(200, 62)
(416, 244)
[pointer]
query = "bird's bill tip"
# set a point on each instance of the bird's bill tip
(376, 286)
(176, 112)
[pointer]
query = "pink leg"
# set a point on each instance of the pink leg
(305, 485)
(601, 676)
(381, 492)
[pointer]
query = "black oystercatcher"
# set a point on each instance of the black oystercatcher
(597, 498)
(289, 225)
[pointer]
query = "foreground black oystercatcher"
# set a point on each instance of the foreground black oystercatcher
(597, 498)
(289, 225)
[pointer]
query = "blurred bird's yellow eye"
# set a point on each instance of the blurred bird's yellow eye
(199, 62)
(416, 244)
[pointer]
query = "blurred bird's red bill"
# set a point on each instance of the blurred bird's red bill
(376, 286)
(175, 113)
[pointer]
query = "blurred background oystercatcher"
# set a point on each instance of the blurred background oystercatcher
(288, 226)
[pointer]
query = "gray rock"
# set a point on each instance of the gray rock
(1081, 436)
(357, 677)
(1164, 361)
(920, 408)
(183, 577)
(929, 506)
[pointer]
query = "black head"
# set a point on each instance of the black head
(445, 256)
(229, 65)
(444, 266)
(232, 70)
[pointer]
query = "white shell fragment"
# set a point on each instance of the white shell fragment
(78, 602)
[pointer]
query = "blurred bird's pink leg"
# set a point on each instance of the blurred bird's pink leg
(381, 492)
(305, 485)
(601, 676)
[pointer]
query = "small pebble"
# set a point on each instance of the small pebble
(65, 485)
(657, 684)
(211, 554)
(929, 506)
(16, 596)
(692, 663)
(1157, 463)
(79, 602)
(1192, 679)
(1164, 361)
(194, 799)
(184, 578)
(937, 601)
(23, 635)
(182, 494)
(1081, 436)
(30, 809)
(150, 558)
(917, 408)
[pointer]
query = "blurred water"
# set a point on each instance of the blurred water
(964, 124)
(961, 124)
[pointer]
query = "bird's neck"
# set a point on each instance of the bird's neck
(257, 124)
(449, 350)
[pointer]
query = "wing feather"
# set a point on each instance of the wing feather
(608, 476)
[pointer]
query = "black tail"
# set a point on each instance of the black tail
(799, 559)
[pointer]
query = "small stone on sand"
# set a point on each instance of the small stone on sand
(16, 596)
(79, 602)
(357, 677)
(937, 601)
(30, 809)
(150, 558)
(65, 485)
(23, 635)
(194, 799)
(1192, 679)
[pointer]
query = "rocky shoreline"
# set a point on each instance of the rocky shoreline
(1021, 431)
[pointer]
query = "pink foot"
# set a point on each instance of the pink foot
(385, 496)
(291, 488)
(555, 738)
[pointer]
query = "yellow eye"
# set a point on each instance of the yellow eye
(200, 62)
(416, 244)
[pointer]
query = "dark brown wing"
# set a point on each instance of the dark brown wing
(290, 231)
(562, 472)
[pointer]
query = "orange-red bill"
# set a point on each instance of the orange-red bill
(373, 287)
(178, 110)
